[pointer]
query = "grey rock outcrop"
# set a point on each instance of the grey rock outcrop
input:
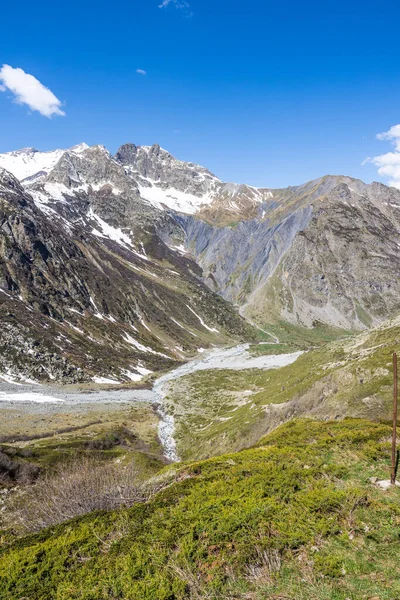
(327, 251)
(82, 296)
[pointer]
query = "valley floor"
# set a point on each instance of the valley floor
(35, 411)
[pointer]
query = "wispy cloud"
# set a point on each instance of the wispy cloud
(141, 71)
(181, 4)
(389, 164)
(28, 90)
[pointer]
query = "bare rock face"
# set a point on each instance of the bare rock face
(343, 269)
(88, 289)
(161, 168)
(93, 166)
(328, 251)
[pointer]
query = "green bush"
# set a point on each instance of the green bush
(329, 565)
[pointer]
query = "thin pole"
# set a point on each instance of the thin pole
(394, 436)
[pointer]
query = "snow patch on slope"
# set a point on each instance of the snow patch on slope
(29, 162)
(131, 340)
(104, 380)
(185, 202)
(174, 199)
(213, 329)
(106, 230)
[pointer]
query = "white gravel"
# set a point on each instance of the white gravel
(235, 358)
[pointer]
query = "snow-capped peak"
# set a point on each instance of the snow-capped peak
(79, 147)
(160, 179)
(33, 164)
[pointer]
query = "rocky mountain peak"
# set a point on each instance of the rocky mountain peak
(126, 154)
(9, 183)
(153, 161)
(91, 166)
(147, 172)
(155, 150)
(33, 165)
(79, 147)
(28, 150)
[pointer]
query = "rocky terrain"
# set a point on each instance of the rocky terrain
(89, 291)
(115, 267)
(327, 252)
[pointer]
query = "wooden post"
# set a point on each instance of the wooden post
(394, 435)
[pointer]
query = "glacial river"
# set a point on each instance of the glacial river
(45, 398)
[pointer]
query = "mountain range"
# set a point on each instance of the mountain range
(114, 267)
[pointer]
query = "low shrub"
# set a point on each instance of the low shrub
(15, 471)
(296, 518)
(329, 565)
(75, 488)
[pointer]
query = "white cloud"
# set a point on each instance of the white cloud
(389, 164)
(28, 90)
(182, 4)
(393, 135)
(141, 71)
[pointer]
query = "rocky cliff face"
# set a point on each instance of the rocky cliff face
(82, 299)
(343, 268)
(327, 251)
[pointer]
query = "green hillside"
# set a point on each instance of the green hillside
(220, 411)
(295, 517)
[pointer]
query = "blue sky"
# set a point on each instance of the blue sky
(265, 92)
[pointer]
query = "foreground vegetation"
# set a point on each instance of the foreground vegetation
(38, 441)
(295, 517)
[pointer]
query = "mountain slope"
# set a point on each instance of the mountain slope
(328, 252)
(223, 410)
(80, 300)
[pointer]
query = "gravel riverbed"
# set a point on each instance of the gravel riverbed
(47, 400)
